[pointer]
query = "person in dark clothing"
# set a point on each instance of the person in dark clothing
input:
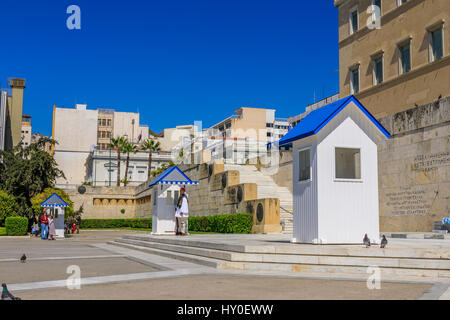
(78, 222)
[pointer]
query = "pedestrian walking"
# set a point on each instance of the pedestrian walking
(44, 225)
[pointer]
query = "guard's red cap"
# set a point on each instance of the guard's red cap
(183, 189)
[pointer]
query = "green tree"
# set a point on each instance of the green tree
(41, 197)
(151, 146)
(8, 206)
(27, 171)
(118, 143)
(162, 168)
(128, 148)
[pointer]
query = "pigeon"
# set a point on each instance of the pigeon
(23, 258)
(6, 295)
(384, 242)
(366, 241)
(440, 97)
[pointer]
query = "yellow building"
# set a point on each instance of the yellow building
(402, 62)
(14, 109)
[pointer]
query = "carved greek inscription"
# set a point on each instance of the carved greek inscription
(409, 201)
(431, 162)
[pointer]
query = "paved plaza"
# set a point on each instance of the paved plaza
(110, 272)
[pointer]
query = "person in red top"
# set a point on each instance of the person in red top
(44, 225)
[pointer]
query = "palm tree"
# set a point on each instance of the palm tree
(128, 147)
(118, 143)
(151, 146)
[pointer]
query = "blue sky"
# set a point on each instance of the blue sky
(174, 61)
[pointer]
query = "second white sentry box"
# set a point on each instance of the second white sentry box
(57, 207)
(335, 174)
(165, 192)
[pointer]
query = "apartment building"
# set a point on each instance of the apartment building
(169, 138)
(26, 130)
(243, 136)
(258, 124)
(395, 57)
(80, 131)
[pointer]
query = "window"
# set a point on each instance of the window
(400, 2)
(377, 70)
(269, 125)
(304, 165)
(103, 122)
(348, 163)
(354, 80)
(269, 134)
(109, 122)
(405, 58)
(176, 195)
(353, 20)
(169, 197)
(436, 45)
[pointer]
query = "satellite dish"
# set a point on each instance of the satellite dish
(81, 189)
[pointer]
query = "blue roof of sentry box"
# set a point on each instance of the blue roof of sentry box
(318, 118)
(54, 201)
(172, 176)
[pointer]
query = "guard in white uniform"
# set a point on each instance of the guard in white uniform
(182, 212)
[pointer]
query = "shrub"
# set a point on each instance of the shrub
(8, 206)
(226, 223)
(116, 223)
(16, 226)
(41, 197)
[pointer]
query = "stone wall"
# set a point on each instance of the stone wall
(107, 202)
(414, 168)
(283, 176)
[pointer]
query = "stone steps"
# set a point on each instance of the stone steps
(267, 188)
(298, 258)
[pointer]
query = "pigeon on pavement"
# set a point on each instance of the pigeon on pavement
(6, 295)
(23, 258)
(384, 242)
(366, 241)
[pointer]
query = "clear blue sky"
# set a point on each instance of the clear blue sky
(175, 61)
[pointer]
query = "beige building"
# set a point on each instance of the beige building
(404, 62)
(79, 131)
(26, 130)
(251, 123)
(171, 137)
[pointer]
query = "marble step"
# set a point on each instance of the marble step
(431, 264)
(269, 262)
(324, 250)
